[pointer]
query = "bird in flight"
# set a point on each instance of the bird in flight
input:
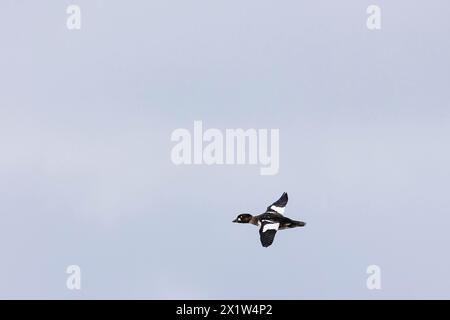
(270, 221)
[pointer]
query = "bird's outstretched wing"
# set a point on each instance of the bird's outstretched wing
(278, 206)
(267, 232)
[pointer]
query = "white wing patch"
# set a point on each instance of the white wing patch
(280, 210)
(270, 226)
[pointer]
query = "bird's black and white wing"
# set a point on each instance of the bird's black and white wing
(279, 205)
(267, 232)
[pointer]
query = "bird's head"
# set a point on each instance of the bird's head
(243, 218)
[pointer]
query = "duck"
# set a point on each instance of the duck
(271, 220)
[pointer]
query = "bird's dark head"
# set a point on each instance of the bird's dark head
(243, 218)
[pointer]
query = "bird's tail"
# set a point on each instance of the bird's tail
(298, 223)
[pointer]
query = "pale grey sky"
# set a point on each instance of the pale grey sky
(85, 170)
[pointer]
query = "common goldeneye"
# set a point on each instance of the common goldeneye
(270, 221)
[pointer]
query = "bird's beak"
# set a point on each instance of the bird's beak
(235, 220)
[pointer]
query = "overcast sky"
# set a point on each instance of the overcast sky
(86, 176)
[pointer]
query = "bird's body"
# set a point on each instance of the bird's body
(285, 223)
(271, 221)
